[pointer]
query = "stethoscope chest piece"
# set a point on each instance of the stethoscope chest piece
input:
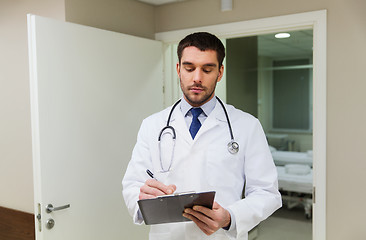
(233, 147)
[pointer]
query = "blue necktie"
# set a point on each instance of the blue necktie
(195, 125)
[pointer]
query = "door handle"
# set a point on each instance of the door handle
(50, 208)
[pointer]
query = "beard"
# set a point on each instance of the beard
(196, 100)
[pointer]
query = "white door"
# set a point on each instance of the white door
(90, 89)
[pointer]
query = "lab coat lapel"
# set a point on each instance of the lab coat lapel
(178, 122)
(217, 115)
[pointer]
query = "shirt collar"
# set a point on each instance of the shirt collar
(207, 107)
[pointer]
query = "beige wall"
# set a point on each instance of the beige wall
(15, 131)
(346, 84)
(196, 13)
(125, 16)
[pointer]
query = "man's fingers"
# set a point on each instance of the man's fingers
(212, 219)
(148, 190)
(216, 205)
(145, 196)
(206, 211)
(200, 216)
(156, 188)
(172, 187)
(203, 226)
(157, 185)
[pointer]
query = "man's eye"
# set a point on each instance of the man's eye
(189, 69)
(207, 70)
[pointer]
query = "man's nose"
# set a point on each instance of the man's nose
(198, 75)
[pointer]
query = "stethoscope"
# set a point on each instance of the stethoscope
(232, 146)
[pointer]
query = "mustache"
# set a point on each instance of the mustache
(196, 86)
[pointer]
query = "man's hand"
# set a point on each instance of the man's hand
(153, 188)
(209, 221)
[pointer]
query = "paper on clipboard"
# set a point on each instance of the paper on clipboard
(168, 209)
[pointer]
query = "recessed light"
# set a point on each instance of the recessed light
(282, 35)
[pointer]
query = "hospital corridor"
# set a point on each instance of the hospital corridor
(274, 72)
(284, 225)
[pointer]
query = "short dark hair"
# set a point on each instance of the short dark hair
(203, 41)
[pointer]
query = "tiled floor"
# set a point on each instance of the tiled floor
(286, 225)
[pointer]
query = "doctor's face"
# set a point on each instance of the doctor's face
(198, 72)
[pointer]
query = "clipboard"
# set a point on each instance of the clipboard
(169, 208)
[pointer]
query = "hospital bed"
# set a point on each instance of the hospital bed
(295, 178)
(282, 158)
(295, 183)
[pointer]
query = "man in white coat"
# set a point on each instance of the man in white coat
(200, 161)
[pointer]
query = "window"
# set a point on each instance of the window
(291, 95)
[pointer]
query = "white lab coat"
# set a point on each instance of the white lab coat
(205, 164)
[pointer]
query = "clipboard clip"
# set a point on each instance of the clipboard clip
(183, 193)
(177, 194)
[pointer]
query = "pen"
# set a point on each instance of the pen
(151, 174)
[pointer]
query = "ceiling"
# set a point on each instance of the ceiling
(299, 44)
(159, 2)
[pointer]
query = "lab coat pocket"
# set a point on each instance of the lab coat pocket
(223, 168)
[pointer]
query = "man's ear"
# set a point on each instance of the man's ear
(221, 73)
(178, 68)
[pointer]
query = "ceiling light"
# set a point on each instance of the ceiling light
(226, 5)
(282, 35)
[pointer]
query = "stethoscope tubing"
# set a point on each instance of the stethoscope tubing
(168, 121)
(233, 147)
(227, 118)
(173, 130)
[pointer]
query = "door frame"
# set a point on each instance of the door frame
(316, 20)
